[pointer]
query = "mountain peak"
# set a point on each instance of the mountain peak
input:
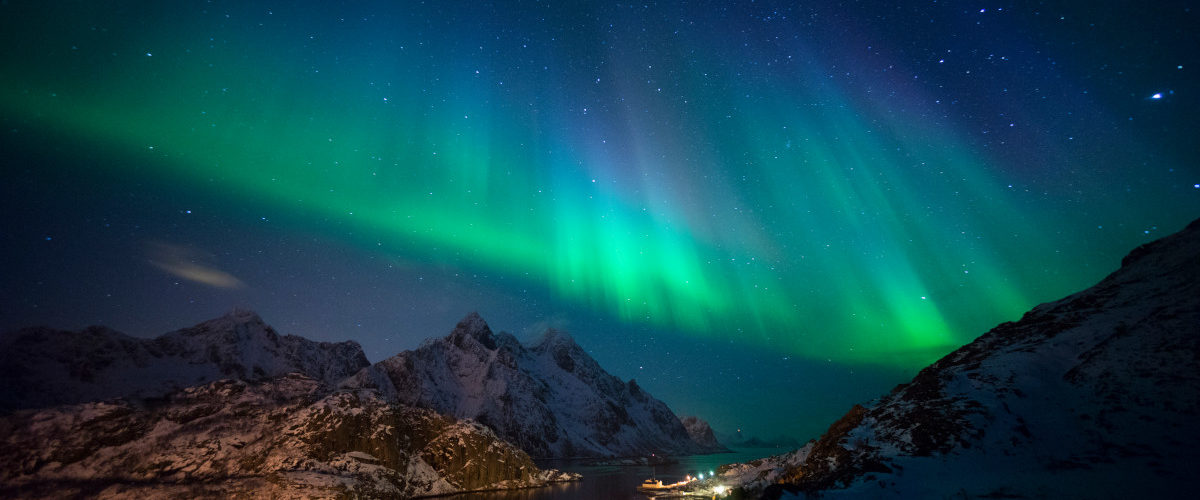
(233, 318)
(701, 432)
(472, 325)
(1180, 246)
(550, 397)
(552, 337)
(240, 315)
(237, 323)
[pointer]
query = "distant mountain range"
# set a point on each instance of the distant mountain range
(549, 398)
(776, 442)
(43, 367)
(1096, 395)
(737, 440)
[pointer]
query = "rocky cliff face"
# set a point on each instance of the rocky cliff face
(701, 432)
(284, 437)
(43, 367)
(550, 398)
(1092, 396)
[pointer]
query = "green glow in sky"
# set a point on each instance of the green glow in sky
(797, 206)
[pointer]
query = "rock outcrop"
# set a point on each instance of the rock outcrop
(701, 433)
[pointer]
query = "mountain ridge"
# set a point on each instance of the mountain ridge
(1092, 395)
(549, 397)
(46, 367)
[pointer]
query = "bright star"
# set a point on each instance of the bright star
(1157, 95)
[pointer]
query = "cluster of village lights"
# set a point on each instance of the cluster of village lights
(719, 489)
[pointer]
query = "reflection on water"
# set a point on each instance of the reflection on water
(619, 482)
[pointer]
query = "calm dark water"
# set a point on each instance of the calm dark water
(620, 482)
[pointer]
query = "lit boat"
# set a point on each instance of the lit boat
(654, 485)
(657, 485)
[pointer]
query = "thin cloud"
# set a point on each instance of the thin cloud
(190, 264)
(558, 322)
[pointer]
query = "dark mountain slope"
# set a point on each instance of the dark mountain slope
(1096, 395)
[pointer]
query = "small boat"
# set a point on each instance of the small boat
(654, 485)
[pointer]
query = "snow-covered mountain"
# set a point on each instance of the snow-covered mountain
(1096, 395)
(286, 437)
(701, 432)
(43, 367)
(551, 398)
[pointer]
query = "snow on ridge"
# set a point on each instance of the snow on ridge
(550, 397)
(1093, 395)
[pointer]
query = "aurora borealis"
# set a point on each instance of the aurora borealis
(758, 196)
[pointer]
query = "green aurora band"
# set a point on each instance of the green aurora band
(801, 214)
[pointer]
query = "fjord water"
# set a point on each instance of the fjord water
(620, 482)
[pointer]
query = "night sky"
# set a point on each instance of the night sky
(762, 211)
